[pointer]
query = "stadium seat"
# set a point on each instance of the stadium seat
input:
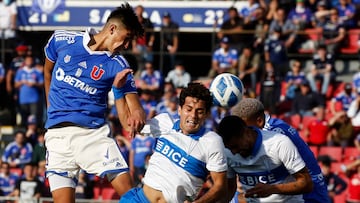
(17, 171)
(333, 151)
(350, 153)
(312, 34)
(353, 47)
(315, 150)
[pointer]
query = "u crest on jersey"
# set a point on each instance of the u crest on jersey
(97, 73)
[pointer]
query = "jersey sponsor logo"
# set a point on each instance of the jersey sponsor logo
(97, 73)
(267, 177)
(179, 157)
(69, 39)
(116, 159)
(61, 76)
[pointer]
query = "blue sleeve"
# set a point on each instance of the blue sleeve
(17, 76)
(50, 49)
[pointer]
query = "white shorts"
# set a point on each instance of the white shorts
(71, 148)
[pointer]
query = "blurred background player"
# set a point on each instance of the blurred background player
(252, 112)
(269, 167)
(80, 69)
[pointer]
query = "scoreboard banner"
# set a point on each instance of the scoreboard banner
(192, 16)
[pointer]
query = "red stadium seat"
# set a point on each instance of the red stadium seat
(350, 153)
(313, 34)
(353, 47)
(17, 171)
(315, 150)
(333, 151)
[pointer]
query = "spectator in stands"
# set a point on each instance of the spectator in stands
(148, 103)
(172, 108)
(85, 187)
(333, 32)
(231, 28)
(322, 69)
(178, 76)
(270, 89)
(168, 93)
(357, 142)
(142, 47)
(248, 11)
(8, 24)
(335, 184)
(18, 152)
(293, 80)
(341, 130)
(354, 113)
(31, 133)
(29, 82)
(38, 154)
(318, 130)
(346, 10)
(169, 42)
(288, 31)
(249, 63)
(321, 15)
(217, 114)
(275, 53)
(224, 59)
(301, 17)
(352, 171)
(7, 180)
(141, 146)
(356, 81)
(151, 79)
(3, 101)
(29, 186)
(306, 101)
(124, 146)
(345, 97)
(16, 63)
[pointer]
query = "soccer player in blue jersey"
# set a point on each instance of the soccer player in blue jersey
(184, 155)
(252, 112)
(268, 166)
(80, 69)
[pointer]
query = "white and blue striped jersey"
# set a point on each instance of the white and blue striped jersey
(273, 160)
(319, 193)
(81, 79)
(180, 163)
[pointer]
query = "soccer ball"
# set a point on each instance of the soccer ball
(226, 90)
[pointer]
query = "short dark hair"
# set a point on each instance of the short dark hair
(196, 90)
(231, 126)
(127, 16)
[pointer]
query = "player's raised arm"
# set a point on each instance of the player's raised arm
(131, 113)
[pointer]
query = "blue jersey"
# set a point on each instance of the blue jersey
(29, 94)
(319, 193)
(7, 183)
(81, 79)
(142, 147)
(18, 154)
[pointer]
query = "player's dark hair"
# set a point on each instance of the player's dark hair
(196, 90)
(127, 16)
(231, 126)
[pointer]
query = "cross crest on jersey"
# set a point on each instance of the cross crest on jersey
(97, 73)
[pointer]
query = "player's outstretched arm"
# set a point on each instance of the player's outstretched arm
(302, 184)
(48, 68)
(218, 190)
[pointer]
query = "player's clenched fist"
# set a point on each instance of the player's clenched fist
(120, 78)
